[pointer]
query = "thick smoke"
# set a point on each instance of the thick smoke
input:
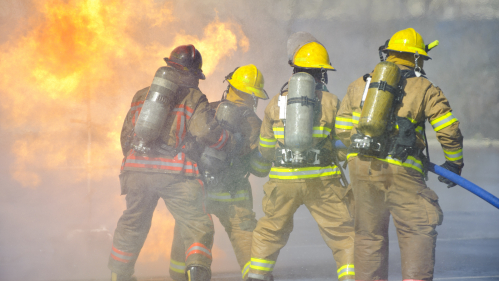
(56, 225)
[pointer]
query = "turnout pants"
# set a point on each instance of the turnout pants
(381, 190)
(235, 212)
(330, 204)
(184, 198)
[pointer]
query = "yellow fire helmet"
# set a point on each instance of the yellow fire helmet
(312, 55)
(409, 41)
(248, 79)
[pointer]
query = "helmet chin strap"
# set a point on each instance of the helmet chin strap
(323, 76)
(224, 94)
(417, 69)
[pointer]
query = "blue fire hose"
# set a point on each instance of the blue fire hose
(466, 184)
(455, 178)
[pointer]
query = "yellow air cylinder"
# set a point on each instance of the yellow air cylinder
(379, 100)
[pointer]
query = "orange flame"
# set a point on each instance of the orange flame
(72, 66)
(68, 79)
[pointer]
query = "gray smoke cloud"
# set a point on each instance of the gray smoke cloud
(62, 231)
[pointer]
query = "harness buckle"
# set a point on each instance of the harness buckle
(382, 85)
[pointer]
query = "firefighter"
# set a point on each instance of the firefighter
(229, 194)
(387, 171)
(305, 176)
(165, 124)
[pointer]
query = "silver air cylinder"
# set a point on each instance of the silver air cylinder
(300, 114)
(156, 107)
(228, 115)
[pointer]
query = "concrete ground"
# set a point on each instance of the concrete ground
(467, 249)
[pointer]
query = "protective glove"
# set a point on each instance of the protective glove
(456, 169)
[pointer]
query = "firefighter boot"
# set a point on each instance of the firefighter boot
(197, 273)
(118, 277)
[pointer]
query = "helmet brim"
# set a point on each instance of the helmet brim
(422, 53)
(313, 66)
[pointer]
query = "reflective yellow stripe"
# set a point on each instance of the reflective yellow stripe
(351, 155)
(453, 155)
(261, 264)
(343, 123)
(303, 173)
(260, 166)
(411, 161)
(355, 117)
(443, 121)
(278, 132)
(346, 270)
(245, 270)
(177, 266)
(420, 130)
(321, 132)
(264, 142)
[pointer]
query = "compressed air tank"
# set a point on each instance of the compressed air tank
(156, 105)
(300, 113)
(228, 115)
(380, 96)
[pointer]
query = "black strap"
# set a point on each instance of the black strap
(383, 86)
(410, 73)
(282, 88)
(304, 101)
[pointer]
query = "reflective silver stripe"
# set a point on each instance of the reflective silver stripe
(278, 131)
(355, 117)
(260, 165)
(227, 196)
(346, 270)
(410, 162)
(245, 269)
(266, 266)
(447, 120)
(136, 107)
(222, 141)
(453, 155)
(177, 266)
(164, 83)
(266, 143)
(202, 249)
(148, 162)
(183, 110)
(125, 257)
(342, 123)
(419, 130)
(320, 133)
(275, 172)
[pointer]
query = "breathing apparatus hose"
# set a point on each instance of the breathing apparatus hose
(457, 179)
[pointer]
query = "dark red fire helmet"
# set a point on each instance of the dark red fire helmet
(187, 58)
